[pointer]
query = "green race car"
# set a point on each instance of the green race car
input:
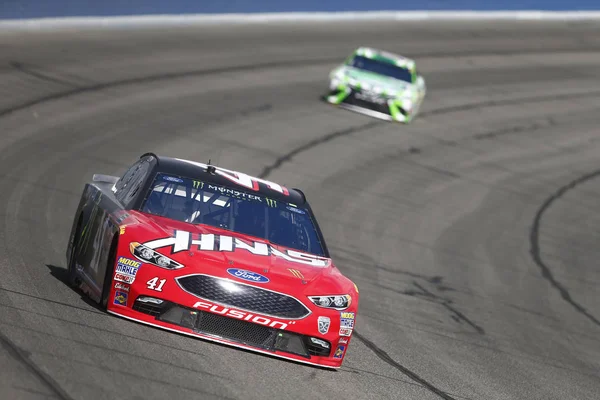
(379, 84)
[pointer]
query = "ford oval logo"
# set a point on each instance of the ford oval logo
(247, 275)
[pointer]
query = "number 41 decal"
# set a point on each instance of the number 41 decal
(152, 284)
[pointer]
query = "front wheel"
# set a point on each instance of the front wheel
(107, 284)
(72, 278)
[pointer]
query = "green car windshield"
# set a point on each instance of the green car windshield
(381, 68)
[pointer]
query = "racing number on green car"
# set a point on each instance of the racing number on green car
(152, 284)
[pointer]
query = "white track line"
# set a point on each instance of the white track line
(205, 19)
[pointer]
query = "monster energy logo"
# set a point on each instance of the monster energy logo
(198, 184)
(271, 203)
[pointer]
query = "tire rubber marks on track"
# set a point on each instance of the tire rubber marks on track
(312, 144)
(387, 359)
(530, 127)
(149, 79)
(509, 102)
(422, 292)
(446, 110)
(76, 90)
(457, 315)
(24, 357)
(535, 245)
(39, 75)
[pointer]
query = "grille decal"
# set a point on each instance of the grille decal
(242, 296)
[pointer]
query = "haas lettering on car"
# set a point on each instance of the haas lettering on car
(183, 241)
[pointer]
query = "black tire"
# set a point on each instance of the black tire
(110, 266)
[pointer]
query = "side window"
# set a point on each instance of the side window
(129, 185)
(122, 183)
(136, 183)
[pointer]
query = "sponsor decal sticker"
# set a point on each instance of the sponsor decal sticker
(339, 352)
(122, 230)
(343, 340)
(246, 316)
(123, 278)
(120, 298)
(323, 324)
(346, 323)
(296, 273)
(128, 262)
(172, 179)
(296, 210)
(271, 202)
(345, 332)
(247, 275)
(241, 179)
(347, 315)
(126, 269)
(240, 195)
(186, 241)
(122, 286)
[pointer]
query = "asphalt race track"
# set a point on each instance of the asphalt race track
(472, 234)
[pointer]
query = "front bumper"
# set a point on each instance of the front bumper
(377, 106)
(177, 310)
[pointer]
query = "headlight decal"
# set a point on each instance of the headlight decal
(334, 302)
(151, 256)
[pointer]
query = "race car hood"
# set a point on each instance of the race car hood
(372, 81)
(223, 253)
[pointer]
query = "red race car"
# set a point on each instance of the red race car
(212, 253)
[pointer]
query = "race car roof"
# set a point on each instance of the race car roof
(385, 56)
(224, 177)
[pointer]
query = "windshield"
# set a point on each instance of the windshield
(382, 68)
(199, 202)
